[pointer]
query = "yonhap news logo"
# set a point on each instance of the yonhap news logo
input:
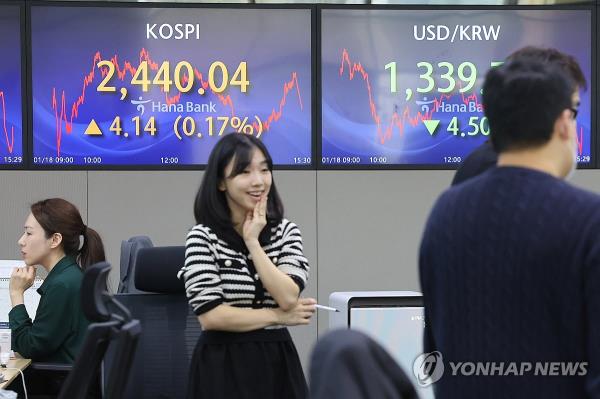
(428, 368)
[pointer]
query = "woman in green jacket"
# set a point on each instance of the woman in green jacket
(55, 238)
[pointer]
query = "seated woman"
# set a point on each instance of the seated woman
(244, 269)
(56, 238)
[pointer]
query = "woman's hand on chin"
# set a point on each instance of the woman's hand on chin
(21, 279)
(256, 220)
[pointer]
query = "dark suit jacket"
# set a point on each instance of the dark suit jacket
(481, 159)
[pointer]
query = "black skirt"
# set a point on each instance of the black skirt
(261, 364)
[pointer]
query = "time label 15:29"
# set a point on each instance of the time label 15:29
(13, 159)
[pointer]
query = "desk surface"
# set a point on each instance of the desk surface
(10, 372)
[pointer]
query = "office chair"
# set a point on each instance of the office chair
(111, 323)
(125, 350)
(158, 269)
(93, 286)
(129, 251)
(349, 364)
(160, 367)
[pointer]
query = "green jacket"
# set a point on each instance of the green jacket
(59, 328)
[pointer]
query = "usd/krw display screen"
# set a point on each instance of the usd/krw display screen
(403, 87)
(11, 102)
(159, 86)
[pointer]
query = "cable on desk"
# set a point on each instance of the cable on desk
(22, 378)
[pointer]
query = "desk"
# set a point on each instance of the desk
(10, 373)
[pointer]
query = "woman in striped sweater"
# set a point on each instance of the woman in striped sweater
(243, 273)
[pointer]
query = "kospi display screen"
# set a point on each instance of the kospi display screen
(11, 100)
(403, 87)
(142, 86)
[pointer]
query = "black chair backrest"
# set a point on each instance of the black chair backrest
(160, 367)
(94, 292)
(125, 347)
(156, 269)
(161, 364)
(113, 324)
(87, 365)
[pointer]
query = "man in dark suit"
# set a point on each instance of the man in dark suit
(510, 260)
(485, 157)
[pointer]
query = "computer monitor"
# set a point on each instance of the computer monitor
(31, 298)
(395, 319)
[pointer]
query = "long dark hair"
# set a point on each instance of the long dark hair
(210, 206)
(57, 215)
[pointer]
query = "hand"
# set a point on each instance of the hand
(256, 221)
(21, 279)
(299, 314)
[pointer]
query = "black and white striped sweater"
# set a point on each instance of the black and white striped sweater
(215, 273)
